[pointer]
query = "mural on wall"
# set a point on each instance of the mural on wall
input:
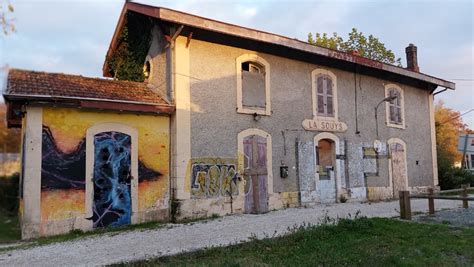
(61, 170)
(112, 179)
(214, 177)
(64, 156)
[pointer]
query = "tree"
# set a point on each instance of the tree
(369, 47)
(10, 139)
(449, 125)
(5, 21)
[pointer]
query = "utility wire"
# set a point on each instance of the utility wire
(458, 116)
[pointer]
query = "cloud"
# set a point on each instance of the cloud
(248, 12)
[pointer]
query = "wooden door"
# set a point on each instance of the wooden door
(399, 169)
(255, 174)
(112, 180)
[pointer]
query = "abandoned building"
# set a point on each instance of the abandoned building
(221, 119)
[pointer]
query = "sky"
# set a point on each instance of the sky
(73, 36)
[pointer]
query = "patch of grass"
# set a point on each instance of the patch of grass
(76, 234)
(359, 242)
(73, 235)
(9, 228)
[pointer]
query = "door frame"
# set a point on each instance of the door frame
(241, 157)
(390, 175)
(89, 196)
(335, 139)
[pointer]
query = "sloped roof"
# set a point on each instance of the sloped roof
(234, 35)
(44, 84)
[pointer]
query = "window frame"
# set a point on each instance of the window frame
(252, 58)
(388, 122)
(314, 74)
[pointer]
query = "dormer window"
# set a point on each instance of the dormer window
(253, 85)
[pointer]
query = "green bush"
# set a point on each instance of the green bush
(452, 177)
(9, 193)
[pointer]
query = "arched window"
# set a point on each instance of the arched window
(324, 94)
(395, 107)
(253, 85)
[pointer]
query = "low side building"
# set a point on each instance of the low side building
(95, 152)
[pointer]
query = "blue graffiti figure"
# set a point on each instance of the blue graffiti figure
(112, 179)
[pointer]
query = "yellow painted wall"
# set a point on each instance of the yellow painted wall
(68, 128)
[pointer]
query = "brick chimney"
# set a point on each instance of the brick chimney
(412, 59)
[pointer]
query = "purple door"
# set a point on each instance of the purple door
(255, 174)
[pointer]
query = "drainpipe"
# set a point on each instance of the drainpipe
(439, 91)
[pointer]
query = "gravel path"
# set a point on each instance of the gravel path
(176, 238)
(457, 217)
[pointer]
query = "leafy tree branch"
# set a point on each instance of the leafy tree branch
(369, 47)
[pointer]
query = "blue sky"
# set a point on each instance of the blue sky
(73, 36)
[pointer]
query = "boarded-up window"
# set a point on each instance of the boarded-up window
(324, 96)
(395, 106)
(253, 85)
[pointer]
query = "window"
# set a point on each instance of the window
(472, 161)
(325, 97)
(147, 68)
(395, 108)
(324, 94)
(253, 85)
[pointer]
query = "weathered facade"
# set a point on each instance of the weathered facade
(258, 122)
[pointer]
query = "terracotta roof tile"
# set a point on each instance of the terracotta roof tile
(43, 84)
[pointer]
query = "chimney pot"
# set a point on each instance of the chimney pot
(412, 58)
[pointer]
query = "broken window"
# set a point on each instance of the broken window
(395, 106)
(324, 96)
(253, 85)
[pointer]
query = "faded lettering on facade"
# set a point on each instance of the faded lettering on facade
(324, 126)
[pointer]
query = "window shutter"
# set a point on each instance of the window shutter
(329, 97)
(320, 95)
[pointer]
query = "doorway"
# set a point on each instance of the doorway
(255, 174)
(112, 201)
(325, 170)
(398, 168)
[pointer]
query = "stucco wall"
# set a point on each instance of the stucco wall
(215, 122)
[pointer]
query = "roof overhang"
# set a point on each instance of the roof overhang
(15, 103)
(237, 36)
